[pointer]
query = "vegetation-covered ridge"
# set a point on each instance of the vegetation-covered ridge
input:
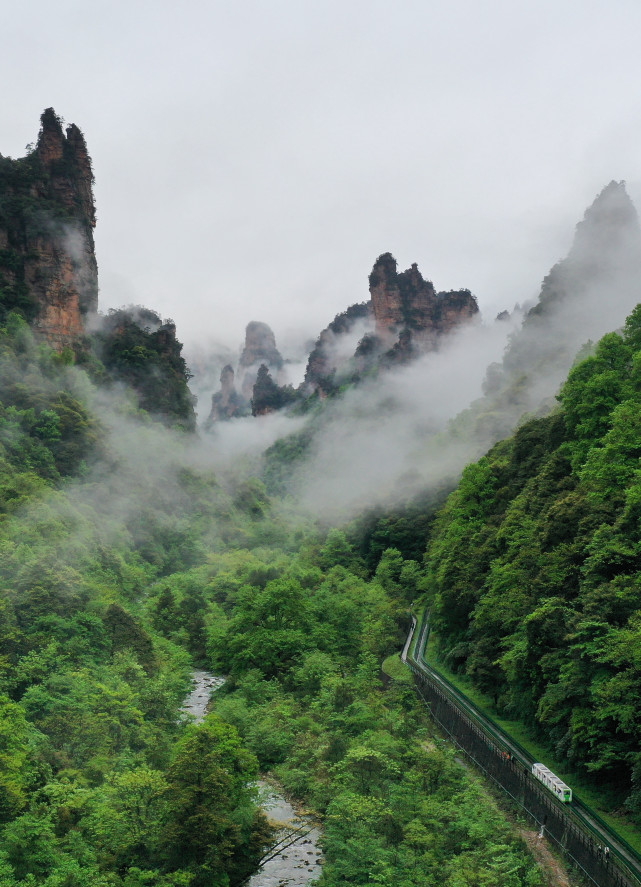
(114, 580)
(124, 562)
(100, 781)
(535, 570)
(302, 636)
(137, 349)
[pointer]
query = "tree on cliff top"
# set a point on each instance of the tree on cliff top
(268, 396)
(137, 348)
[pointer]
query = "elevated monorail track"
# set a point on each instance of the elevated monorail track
(602, 855)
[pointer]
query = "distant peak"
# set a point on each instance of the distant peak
(607, 223)
(612, 204)
(260, 345)
(51, 138)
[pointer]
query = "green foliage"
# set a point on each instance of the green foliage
(126, 632)
(535, 569)
(213, 827)
(396, 807)
(137, 348)
(45, 428)
(107, 598)
(268, 396)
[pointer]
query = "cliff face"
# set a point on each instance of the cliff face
(48, 267)
(407, 302)
(405, 318)
(260, 348)
(227, 403)
(333, 346)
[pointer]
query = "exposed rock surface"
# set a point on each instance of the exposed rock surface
(328, 352)
(227, 403)
(406, 301)
(260, 348)
(405, 318)
(48, 267)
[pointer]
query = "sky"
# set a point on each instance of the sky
(252, 159)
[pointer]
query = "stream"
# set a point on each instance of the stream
(196, 702)
(297, 857)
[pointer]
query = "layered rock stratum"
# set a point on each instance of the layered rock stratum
(48, 268)
(407, 302)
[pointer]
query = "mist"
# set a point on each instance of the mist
(375, 446)
(253, 159)
(415, 427)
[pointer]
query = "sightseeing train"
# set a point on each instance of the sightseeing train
(549, 780)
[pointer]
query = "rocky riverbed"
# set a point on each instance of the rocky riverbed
(297, 857)
(298, 862)
(204, 685)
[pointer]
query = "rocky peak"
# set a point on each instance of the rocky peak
(81, 162)
(332, 348)
(406, 301)
(51, 139)
(605, 255)
(260, 348)
(67, 164)
(227, 402)
(48, 267)
(604, 223)
(227, 380)
(584, 295)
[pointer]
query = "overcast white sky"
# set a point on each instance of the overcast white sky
(252, 159)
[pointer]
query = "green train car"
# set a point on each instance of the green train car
(562, 791)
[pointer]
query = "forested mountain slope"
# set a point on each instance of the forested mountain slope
(535, 569)
(99, 780)
(125, 561)
(113, 583)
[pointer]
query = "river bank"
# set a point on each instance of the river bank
(197, 702)
(296, 859)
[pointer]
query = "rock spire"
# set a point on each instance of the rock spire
(48, 267)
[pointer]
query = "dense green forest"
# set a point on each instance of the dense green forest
(124, 563)
(534, 571)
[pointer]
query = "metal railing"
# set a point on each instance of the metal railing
(575, 824)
